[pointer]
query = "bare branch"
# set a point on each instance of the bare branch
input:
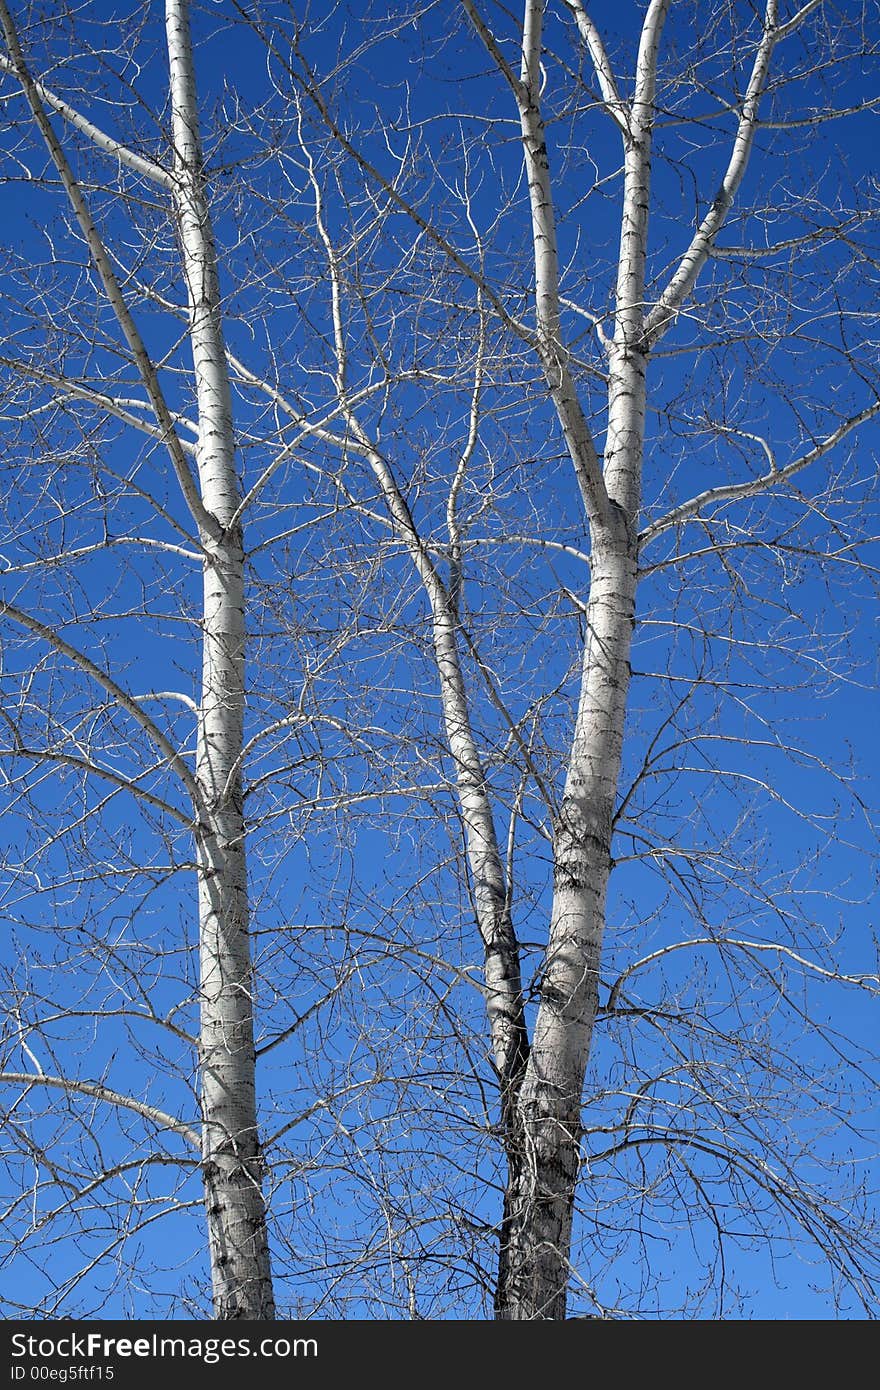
(148, 168)
(123, 699)
(734, 492)
(616, 108)
(664, 312)
(103, 1093)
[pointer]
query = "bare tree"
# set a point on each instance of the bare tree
(543, 1143)
(470, 411)
(213, 811)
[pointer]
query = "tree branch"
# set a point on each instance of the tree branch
(665, 311)
(551, 351)
(733, 492)
(126, 701)
(107, 144)
(91, 1088)
(617, 108)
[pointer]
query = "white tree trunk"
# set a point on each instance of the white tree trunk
(504, 1001)
(534, 1267)
(502, 974)
(232, 1169)
(536, 1236)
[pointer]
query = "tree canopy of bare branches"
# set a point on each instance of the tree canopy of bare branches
(438, 551)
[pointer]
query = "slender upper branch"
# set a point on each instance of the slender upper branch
(107, 144)
(663, 315)
(92, 1088)
(123, 699)
(629, 313)
(797, 19)
(614, 105)
(648, 55)
(453, 528)
(74, 390)
(494, 49)
(551, 351)
(733, 492)
(864, 981)
(66, 555)
(94, 769)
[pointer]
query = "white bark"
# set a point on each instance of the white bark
(775, 476)
(537, 1235)
(563, 391)
(109, 1097)
(616, 108)
(663, 314)
(535, 1264)
(147, 168)
(504, 1002)
(232, 1166)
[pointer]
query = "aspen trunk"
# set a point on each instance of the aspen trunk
(232, 1169)
(534, 1266)
(539, 1205)
(234, 1206)
(505, 1005)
